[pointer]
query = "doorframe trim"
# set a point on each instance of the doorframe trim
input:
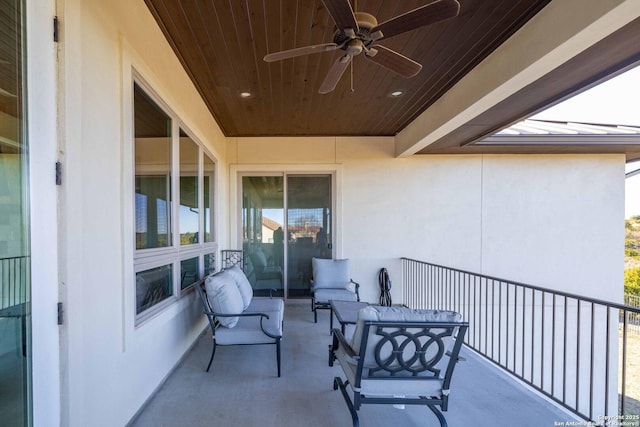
(42, 134)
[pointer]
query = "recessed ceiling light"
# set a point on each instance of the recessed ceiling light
(397, 93)
(245, 94)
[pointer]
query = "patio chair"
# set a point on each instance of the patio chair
(235, 316)
(262, 276)
(399, 356)
(331, 281)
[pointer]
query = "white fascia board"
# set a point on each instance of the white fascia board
(561, 140)
(555, 35)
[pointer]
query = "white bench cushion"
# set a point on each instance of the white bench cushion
(273, 307)
(248, 331)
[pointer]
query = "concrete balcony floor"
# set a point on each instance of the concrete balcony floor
(242, 389)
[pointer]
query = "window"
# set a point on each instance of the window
(208, 181)
(188, 190)
(153, 173)
(173, 206)
(153, 286)
(189, 272)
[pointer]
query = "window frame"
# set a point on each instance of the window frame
(175, 253)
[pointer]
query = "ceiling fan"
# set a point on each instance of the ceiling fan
(358, 31)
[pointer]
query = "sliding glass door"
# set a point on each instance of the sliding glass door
(263, 232)
(309, 230)
(15, 349)
(286, 220)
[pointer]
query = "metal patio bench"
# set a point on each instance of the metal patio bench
(235, 316)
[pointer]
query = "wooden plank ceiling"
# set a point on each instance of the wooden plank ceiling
(221, 44)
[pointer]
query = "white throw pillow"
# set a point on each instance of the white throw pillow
(224, 297)
(243, 284)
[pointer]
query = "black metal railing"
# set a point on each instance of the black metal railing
(633, 319)
(571, 348)
(14, 273)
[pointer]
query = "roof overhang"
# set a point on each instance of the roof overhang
(567, 47)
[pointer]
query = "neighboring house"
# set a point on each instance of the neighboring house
(268, 227)
(112, 105)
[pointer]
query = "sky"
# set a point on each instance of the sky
(617, 102)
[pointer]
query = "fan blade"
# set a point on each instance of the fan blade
(6, 93)
(342, 14)
(395, 62)
(300, 51)
(334, 74)
(425, 15)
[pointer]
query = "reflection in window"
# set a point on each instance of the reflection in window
(209, 172)
(152, 219)
(15, 279)
(153, 286)
(188, 190)
(209, 263)
(153, 173)
(189, 269)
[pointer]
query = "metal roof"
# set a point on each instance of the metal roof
(540, 132)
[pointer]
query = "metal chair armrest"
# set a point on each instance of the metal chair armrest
(262, 317)
(357, 288)
(243, 314)
(340, 340)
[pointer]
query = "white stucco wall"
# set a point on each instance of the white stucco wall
(553, 221)
(110, 366)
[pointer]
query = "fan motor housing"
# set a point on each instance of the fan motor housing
(366, 22)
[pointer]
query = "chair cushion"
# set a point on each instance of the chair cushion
(381, 387)
(243, 284)
(264, 305)
(324, 295)
(273, 307)
(248, 331)
(224, 297)
(398, 314)
(330, 273)
(259, 260)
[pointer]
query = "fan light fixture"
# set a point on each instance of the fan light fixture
(397, 93)
(359, 33)
(245, 94)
